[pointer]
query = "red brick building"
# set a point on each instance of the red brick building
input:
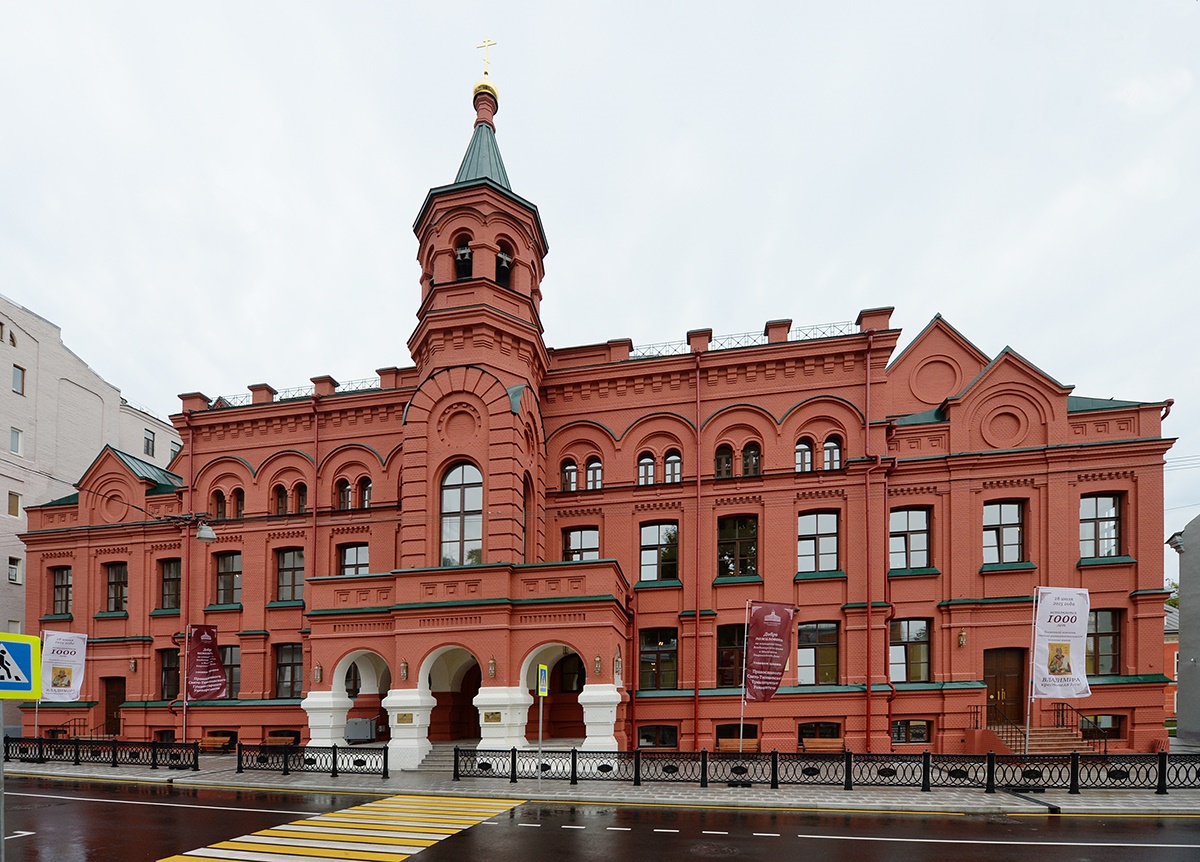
(411, 548)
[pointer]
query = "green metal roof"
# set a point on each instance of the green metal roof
(482, 159)
(1076, 404)
(146, 470)
(927, 417)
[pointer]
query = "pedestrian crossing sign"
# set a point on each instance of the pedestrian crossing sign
(20, 666)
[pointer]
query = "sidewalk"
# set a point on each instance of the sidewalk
(221, 771)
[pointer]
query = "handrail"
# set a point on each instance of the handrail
(1099, 738)
(1011, 733)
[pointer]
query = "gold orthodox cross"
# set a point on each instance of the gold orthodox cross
(485, 44)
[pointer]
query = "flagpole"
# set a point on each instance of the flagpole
(745, 648)
(187, 643)
(37, 704)
(1037, 596)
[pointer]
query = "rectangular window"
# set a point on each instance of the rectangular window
(1099, 526)
(14, 504)
(18, 380)
(289, 670)
(352, 560)
(581, 543)
(911, 730)
(817, 542)
(229, 578)
(658, 668)
(594, 475)
(731, 649)
(231, 660)
(660, 552)
(1003, 539)
(170, 578)
(817, 653)
(148, 442)
(1103, 727)
(61, 579)
(118, 586)
(16, 441)
(658, 736)
(176, 448)
(289, 574)
(909, 650)
(908, 539)
(168, 674)
(737, 546)
(14, 570)
(1104, 643)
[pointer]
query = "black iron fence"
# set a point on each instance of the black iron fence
(333, 760)
(1072, 772)
(107, 752)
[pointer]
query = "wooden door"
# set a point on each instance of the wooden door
(114, 696)
(1004, 673)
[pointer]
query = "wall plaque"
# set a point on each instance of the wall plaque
(404, 718)
(491, 718)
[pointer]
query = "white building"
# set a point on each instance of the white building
(56, 413)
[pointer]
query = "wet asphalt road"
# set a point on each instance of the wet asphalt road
(90, 822)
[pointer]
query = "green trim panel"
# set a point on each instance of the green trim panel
(1023, 566)
(862, 606)
(111, 615)
(1123, 560)
(913, 573)
(60, 704)
(236, 606)
(704, 612)
(737, 579)
(466, 603)
(290, 603)
(999, 600)
(1140, 679)
(134, 639)
(833, 574)
(656, 585)
(165, 612)
(57, 618)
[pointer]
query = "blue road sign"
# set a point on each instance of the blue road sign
(20, 666)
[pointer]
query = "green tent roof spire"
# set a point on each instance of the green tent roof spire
(482, 159)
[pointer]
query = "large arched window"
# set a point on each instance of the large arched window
(569, 476)
(751, 459)
(804, 455)
(364, 493)
(645, 465)
(833, 453)
(462, 516)
(341, 493)
(723, 462)
(673, 467)
(595, 474)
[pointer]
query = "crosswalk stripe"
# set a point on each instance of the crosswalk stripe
(386, 830)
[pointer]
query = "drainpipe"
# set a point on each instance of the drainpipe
(867, 537)
(186, 588)
(696, 576)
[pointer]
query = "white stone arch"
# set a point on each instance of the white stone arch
(327, 710)
(599, 701)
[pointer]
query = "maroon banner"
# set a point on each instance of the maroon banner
(205, 673)
(768, 648)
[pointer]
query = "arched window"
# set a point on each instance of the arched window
(462, 257)
(218, 505)
(279, 495)
(341, 493)
(239, 503)
(673, 467)
(364, 493)
(570, 476)
(595, 474)
(462, 516)
(751, 460)
(723, 463)
(301, 498)
(504, 261)
(804, 455)
(645, 469)
(833, 454)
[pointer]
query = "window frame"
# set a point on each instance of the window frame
(660, 733)
(289, 670)
(832, 453)
(169, 599)
(18, 379)
(743, 544)
(231, 663)
(229, 577)
(752, 459)
(461, 522)
(908, 652)
(645, 469)
(1105, 529)
(169, 676)
(593, 474)
(658, 657)
(1002, 533)
(580, 543)
(903, 537)
(148, 442)
(354, 558)
(62, 590)
(673, 467)
(818, 653)
(116, 576)
(16, 441)
(723, 462)
(289, 577)
(820, 543)
(731, 653)
(1109, 639)
(663, 565)
(902, 731)
(804, 455)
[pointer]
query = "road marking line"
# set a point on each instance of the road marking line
(973, 841)
(568, 826)
(666, 830)
(618, 828)
(766, 834)
(535, 825)
(707, 832)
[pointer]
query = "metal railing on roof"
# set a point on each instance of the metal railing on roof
(244, 399)
(743, 339)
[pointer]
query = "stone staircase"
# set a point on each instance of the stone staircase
(1054, 740)
(440, 759)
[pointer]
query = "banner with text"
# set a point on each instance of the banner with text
(63, 655)
(768, 648)
(1060, 643)
(205, 673)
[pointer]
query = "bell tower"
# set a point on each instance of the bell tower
(481, 253)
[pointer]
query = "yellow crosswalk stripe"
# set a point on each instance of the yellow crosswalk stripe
(386, 830)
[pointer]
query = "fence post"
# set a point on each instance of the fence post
(239, 757)
(848, 768)
(196, 756)
(286, 758)
(456, 773)
(925, 764)
(1074, 772)
(385, 762)
(76, 750)
(114, 750)
(42, 751)
(704, 767)
(990, 786)
(637, 767)
(1162, 774)
(574, 767)
(334, 773)
(6, 748)
(512, 767)
(774, 768)
(154, 754)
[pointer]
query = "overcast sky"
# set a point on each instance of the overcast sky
(210, 195)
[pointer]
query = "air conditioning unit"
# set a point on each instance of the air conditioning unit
(360, 730)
